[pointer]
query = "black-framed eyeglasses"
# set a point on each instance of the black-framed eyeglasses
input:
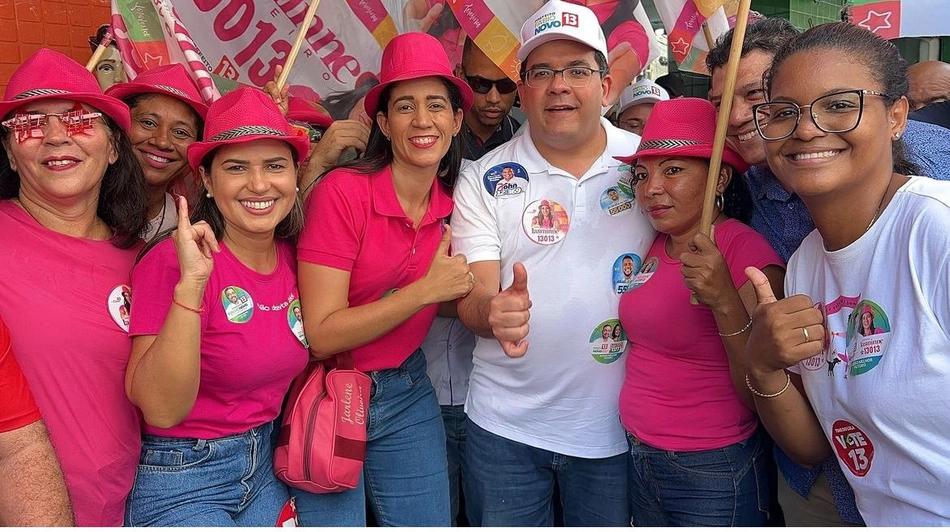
(575, 76)
(838, 112)
(484, 85)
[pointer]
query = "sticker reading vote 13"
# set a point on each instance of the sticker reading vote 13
(853, 446)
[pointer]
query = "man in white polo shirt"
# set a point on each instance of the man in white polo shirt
(542, 405)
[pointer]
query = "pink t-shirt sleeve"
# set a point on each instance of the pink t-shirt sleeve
(744, 248)
(153, 287)
(631, 32)
(335, 220)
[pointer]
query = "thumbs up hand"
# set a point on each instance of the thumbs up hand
(508, 314)
(784, 332)
(448, 277)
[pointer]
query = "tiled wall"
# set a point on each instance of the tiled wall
(63, 25)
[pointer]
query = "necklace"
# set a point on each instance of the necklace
(879, 207)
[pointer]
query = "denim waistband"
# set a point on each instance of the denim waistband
(256, 432)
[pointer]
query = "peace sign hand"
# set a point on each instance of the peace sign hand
(194, 245)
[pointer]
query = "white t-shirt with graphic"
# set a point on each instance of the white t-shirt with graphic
(881, 388)
(562, 396)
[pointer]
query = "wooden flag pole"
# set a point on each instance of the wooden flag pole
(710, 42)
(101, 49)
(722, 119)
(298, 42)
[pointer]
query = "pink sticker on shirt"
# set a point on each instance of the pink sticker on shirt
(853, 446)
(545, 222)
(120, 306)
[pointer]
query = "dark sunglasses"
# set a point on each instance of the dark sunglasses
(483, 86)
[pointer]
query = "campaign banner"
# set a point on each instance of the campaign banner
(149, 33)
(683, 20)
(243, 41)
(902, 18)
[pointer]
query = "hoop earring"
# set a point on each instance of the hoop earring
(719, 202)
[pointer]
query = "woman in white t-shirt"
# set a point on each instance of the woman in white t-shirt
(880, 255)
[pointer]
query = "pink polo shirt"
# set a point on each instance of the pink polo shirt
(356, 224)
(252, 343)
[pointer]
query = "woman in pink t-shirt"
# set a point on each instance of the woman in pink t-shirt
(374, 265)
(73, 204)
(167, 116)
(696, 456)
(216, 340)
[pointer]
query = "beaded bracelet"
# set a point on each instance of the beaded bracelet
(198, 310)
(740, 331)
(788, 380)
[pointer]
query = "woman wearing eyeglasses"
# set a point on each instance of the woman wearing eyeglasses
(73, 205)
(837, 109)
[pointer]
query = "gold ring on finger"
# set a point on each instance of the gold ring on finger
(471, 277)
(805, 334)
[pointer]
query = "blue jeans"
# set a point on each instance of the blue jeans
(454, 419)
(202, 483)
(721, 487)
(512, 484)
(404, 474)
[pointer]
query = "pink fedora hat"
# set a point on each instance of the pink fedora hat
(243, 115)
(171, 80)
(411, 56)
(51, 75)
(684, 127)
(300, 110)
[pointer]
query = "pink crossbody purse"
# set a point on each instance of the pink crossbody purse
(322, 440)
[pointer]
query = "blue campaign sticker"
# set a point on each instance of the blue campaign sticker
(506, 180)
(625, 270)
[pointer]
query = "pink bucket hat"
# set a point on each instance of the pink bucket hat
(171, 80)
(243, 115)
(300, 110)
(411, 56)
(684, 127)
(50, 75)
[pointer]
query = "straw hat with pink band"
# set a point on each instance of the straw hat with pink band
(49, 75)
(170, 80)
(244, 115)
(683, 127)
(404, 59)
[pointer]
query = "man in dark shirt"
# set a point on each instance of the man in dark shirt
(488, 124)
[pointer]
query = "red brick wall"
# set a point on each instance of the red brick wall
(63, 25)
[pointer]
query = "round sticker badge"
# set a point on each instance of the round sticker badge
(853, 446)
(506, 180)
(545, 222)
(238, 305)
(608, 341)
(295, 320)
(615, 201)
(120, 306)
(645, 272)
(624, 272)
(867, 335)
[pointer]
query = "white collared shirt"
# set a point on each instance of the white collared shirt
(562, 396)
